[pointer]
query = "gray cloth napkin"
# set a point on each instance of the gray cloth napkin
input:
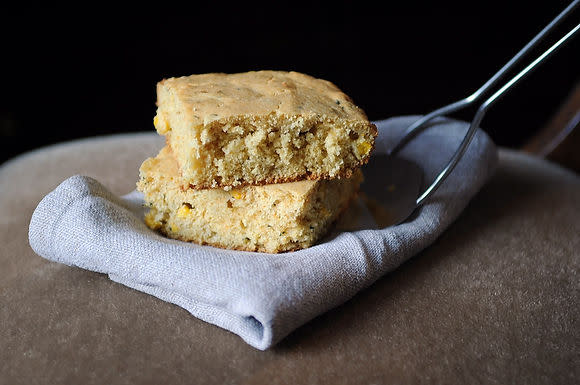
(260, 297)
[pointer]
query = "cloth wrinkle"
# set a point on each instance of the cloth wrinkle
(260, 297)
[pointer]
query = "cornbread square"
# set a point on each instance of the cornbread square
(271, 218)
(261, 127)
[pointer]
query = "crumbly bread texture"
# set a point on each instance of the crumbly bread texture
(261, 127)
(272, 218)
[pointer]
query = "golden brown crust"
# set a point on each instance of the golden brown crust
(374, 130)
(221, 246)
(213, 95)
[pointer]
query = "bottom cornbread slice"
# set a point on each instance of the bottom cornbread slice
(271, 218)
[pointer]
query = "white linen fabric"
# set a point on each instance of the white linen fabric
(260, 297)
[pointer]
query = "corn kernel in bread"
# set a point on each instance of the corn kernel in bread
(271, 218)
(262, 127)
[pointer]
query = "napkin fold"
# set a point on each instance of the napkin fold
(260, 297)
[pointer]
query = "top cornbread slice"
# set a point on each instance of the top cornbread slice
(260, 127)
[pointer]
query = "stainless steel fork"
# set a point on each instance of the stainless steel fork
(420, 124)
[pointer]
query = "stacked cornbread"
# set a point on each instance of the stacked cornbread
(258, 161)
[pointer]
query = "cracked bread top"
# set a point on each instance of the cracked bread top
(207, 97)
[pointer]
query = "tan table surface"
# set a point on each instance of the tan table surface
(495, 299)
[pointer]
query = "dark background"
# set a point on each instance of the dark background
(75, 73)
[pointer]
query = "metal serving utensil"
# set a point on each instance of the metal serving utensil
(406, 207)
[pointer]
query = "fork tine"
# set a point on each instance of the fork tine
(417, 127)
(483, 109)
